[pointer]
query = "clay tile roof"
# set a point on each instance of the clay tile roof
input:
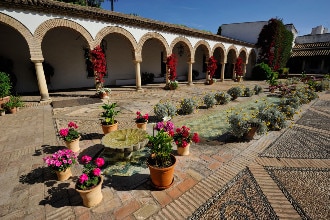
(72, 10)
(311, 49)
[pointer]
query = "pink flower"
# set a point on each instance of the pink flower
(97, 172)
(184, 144)
(195, 138)
(99, 162)
(72, 125)
(83, 178)
(64, 132)
(86, 159)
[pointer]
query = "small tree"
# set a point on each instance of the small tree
(171, 64)
(211, 66)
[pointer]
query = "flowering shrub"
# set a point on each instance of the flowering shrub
(91, 173)
(166, 126)
(222, 98)
(166, 109)
(272, 116)
(211, 66)
(61, 160)
(257, 89)
(187, 106)
(141, 118)
(97, 57)
(209, 100)
(240, 124)
(248, 92)
(171, 64)
(239, 67)
(69, 133)
(182, 137)
(235, 92)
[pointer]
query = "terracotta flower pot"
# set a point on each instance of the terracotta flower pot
(108, 128)
(142, 125)
(73, 145)
(92, 197)
(162, 178)
(64, 175)
(13, 110)
(183, 151)
(250, 134)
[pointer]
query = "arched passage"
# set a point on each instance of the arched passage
(231, 59)
(202, 53)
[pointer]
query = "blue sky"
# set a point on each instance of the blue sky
(209, 15)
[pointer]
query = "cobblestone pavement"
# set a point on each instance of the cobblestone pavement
(285, 179)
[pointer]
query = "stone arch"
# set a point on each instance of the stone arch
(243, 54)
(152, 35)
(117, 30)
(188, 44)
(223, 51)
(27, 35)
(43, 28)
(232, 47)
(203, 43)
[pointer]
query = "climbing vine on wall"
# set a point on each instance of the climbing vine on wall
(275, 43)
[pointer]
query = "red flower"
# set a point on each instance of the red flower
(171, 64)
(211, 66)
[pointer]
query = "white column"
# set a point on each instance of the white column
(223, 65)
(190, 67)
(137, 75)
(41, 80)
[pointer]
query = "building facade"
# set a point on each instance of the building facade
(33, 33)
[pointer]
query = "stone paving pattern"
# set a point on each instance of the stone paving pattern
(32, 192)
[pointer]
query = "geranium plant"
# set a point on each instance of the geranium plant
(91, 173)
(97, 57)
(171, 64)
(70, 133)
(211, 66)
(141, 118)
(239, 67)
(61, 160)
(161, 144)
(182, 136)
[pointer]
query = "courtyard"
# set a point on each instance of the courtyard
(283, 174)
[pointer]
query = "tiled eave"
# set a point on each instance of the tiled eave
(72, 10)
(311, 49)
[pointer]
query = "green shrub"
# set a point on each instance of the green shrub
(235, 92)
(187, 106)
(273, 117)
(5, 85)
(14, 102)
(222, 98)
(257, 89)
(209, 100)
(166, 109)
(240, 125)
(261, 71)
(248, 92)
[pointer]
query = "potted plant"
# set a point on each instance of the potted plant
(89, 183)
(61, 162)
(141, 120)
(108, 122)
(71, 136)
(161, 162)
(235, 92)
(14, 104)
(173, 85)
(5, 87)
(182, 138)
(103, 92)
(2, 111)
(242, 126)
